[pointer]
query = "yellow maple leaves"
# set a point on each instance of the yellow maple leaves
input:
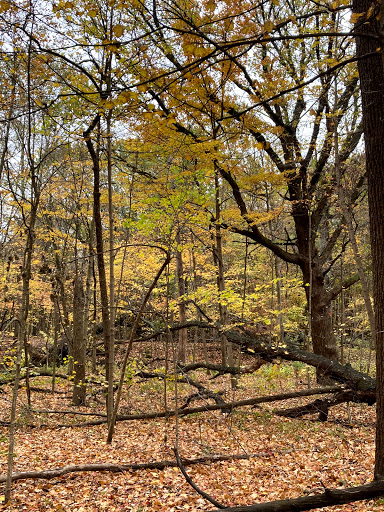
(4, 5)
(118, 30)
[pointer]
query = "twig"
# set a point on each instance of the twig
(77, 413)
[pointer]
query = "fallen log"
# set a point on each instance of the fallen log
(326, 499)
(322, 406)
(75, 413)
(226, 407)
(35, 373)
(118, 468)
(268, 352)
(344, 374)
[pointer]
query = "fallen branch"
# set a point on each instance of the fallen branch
(77, 413)
(116, 468)
(175, 328)
(36, 373)
(203, 392)
(192, 483)
(221, 370)
(268, 352)
(322, 406)
(47, 391)
(328, 498)
(214, 407)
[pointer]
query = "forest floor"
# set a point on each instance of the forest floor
(288, 457)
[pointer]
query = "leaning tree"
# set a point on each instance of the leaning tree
(263, 76)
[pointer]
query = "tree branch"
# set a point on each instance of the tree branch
(192, 483)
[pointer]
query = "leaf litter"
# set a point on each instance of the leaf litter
(289, 458)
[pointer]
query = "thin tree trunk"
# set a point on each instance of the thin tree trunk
(351, 233)
(111, 351)
(88, 283)
(111, 423)
(279, 302)
(56, 328)
(101, 262)
(226, 347)
(11, 443)
(182, 345)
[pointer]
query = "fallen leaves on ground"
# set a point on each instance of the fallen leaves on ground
(299, 457)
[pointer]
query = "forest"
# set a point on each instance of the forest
(192, 255)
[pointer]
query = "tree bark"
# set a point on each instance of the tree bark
(371, 73)
(79, 345)
(346, 209)
(328, 498)
(101, 262)
(226, 346)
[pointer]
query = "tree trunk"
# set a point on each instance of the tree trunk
(323, 339)
(371, 72)
(56, 329)
(79, 345)
(279, 301)
(62, 300)
(88, 283)
(108, 340)
(112, 311)
(346, 209)
(226, 346)
(182, 346)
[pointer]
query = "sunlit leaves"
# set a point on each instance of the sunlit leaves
(118, 30)
(5, 5)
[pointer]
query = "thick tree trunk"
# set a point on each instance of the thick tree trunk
(320, 315)
(371, 74)
(323, 339)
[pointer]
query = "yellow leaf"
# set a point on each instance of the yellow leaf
(122, 98)
(189, 48)
(199, 51)
(313, 112)
(93, 13)
(109, 104)
(118, 30)
(5, 5)
(355, 16)
(268, 26)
